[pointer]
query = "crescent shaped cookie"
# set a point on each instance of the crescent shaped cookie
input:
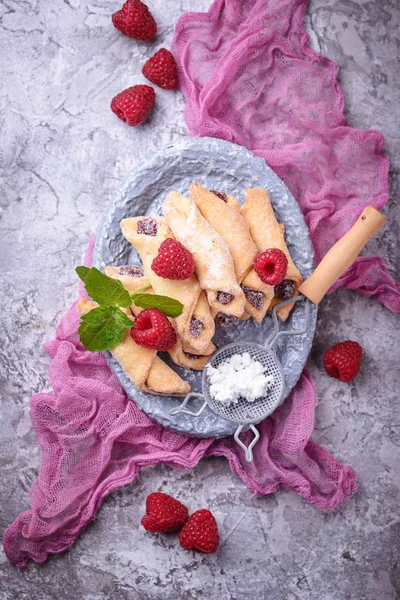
(201, 325)
(213, 260)
(189, 360)
(268, 233)
(223, 213)
(132, 277)
(146, 234)
(258, 295)
(230, 225)
(144, 368)
(201, 328)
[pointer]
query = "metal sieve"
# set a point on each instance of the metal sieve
(243, 412)
(248, 414)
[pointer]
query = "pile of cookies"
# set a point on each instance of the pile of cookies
(222, 261)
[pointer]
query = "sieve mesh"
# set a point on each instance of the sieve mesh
(243, 411)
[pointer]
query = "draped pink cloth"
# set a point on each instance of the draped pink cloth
(248, 77)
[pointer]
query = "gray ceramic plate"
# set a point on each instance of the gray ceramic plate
(221, 166)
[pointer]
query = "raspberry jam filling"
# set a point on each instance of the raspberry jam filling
(255, 297)
(220, 195)
(224, 297)
(190, 356)
(224, 320)
(147, 226)
(195, 328)
(285, 289)
(131, 271)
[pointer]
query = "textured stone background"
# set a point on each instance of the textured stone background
(62, 154)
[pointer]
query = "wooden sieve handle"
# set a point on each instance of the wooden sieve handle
(342, 255)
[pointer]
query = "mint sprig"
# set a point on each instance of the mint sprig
(104, 327)
(103, 289)
(82, 272)
(169, 306)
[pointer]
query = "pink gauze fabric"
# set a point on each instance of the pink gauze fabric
(250, 78)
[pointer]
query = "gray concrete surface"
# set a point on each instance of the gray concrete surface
(62, 154)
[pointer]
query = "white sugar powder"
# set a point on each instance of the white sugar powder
(216, 264)
(238, 377)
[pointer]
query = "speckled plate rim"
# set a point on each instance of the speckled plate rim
(223, 160)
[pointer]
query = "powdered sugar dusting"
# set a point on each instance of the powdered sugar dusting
(238, 377)
(205, 244)
(216, 265)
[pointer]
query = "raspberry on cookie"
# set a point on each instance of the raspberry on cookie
(173, 261)
(271, 266)
(153, 330)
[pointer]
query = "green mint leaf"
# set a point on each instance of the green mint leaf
(82, 272)
(106, 291)
(102, 328)
(169, 306)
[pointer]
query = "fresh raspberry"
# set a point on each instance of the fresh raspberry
(285, 289)
(271, 266)
(134, 104)
(200, 532)
(343, 360)
(135, 20)
(161, 70)
(173, 261)
(164, 513)
(153, 330)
